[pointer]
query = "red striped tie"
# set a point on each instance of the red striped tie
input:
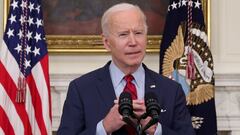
(130, 87)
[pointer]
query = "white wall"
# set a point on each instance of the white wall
(225, 28)
(82, 63)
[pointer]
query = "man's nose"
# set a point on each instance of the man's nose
(132, 38)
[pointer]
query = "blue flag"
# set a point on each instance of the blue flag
(185, 57)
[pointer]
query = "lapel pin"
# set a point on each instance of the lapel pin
(152, 86)
(163, 110)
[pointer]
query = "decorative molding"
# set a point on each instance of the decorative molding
(230, 123)
(227, 80)
(59, 85)
(93, 43)
(90, 44)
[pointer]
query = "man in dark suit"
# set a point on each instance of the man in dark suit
(91, 106)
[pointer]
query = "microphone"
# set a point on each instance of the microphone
(125, 108)
(125, 104)
(152, 109)
(152, 106)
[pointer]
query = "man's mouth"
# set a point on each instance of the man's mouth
(133, 53)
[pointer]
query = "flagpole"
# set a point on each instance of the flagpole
(6, 4)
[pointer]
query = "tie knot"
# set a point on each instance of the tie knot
(128, 78)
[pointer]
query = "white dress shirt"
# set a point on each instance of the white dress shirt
(119, 83)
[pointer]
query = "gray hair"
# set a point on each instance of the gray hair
(116, 8)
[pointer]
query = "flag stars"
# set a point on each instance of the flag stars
(179, 3)
(27, 63)
(10, 32)
(197, 4)
(198, 46)
(184, 3)
(18, 48)
(20, 34)
(37, 37)
(23, 4)
(36, 51)
(39, 22)
(12, 18)
(30, 21)
(28, 49)
(29, 35)
(174, 5)
(206, 54)
(14, 4)
(38, 8)
(190, 3)
(169, 8)
(22, 19)
(31, 7)
(209, 59)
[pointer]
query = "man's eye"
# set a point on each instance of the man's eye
(138, 33)
(123, 34)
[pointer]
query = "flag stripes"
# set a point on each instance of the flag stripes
(6, 124)
(36, 104)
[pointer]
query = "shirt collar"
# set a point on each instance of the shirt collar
(139, 75)
(117, 75)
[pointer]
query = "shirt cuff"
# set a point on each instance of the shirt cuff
(100, 129)
(158, 130)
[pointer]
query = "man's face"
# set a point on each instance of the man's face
(127, 39)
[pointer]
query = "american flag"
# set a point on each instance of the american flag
(24, 69)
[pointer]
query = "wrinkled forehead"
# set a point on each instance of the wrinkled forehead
(124, 26)
(130, 19)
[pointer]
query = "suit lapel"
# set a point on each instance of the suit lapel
(150, 83)
(105, 86)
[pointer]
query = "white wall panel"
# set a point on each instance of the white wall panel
(225, 20)
(84, 63)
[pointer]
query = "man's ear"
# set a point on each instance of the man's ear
(106, 42)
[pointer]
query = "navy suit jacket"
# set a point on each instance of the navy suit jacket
(91, 96)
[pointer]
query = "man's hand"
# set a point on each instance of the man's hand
(151, 130)
(113, 121)
(139, 109)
